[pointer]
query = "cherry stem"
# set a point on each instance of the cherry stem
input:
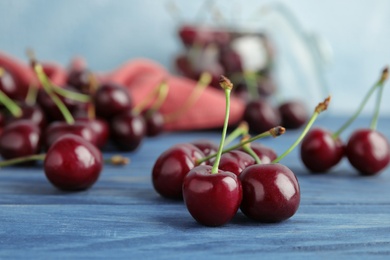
(32, 93)
(385, 75)
(227, 86)
(117, 160)
(203, 82)
(161, 97)
(247, 148)
(34, 157)
(380, 83)
(251, 83)
(71, 94)
(274, 132)
(12, 107)
(320, 108)
(48, 87)
(93, 85)
(242, 129)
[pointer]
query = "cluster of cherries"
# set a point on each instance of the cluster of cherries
(222, 51)
(216, 181)
(71, 122)
(367, 150)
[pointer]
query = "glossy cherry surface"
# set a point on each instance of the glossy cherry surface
(320, 151)
(20, 138)
(31, 112)
(294, 114)
(128, 131)
(211, 199)
(265, 154)
(261, 116)
(72, 163)
(207, 147)
(57, 129)
(154, 121)
(235, 161)
(368, 151)
(100, 127)
(171, 167)
(80, 79)
(111, 99)
(271, 192)
(10, 86)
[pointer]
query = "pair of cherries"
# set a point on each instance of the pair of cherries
(367, 150)
(267, 192)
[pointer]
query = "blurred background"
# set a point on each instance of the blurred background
(340, 47)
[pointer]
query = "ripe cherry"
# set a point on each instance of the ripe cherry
(235, 162)
(171, 167)
(271, 192)
(261, 116)
(31, 112)
(265, 154)
(368, 151)
(206, 146)
(72, 163)
(320, 150)
(100, 127)
(294, 114)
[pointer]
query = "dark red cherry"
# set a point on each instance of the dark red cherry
(72, 163)
(271, 192)
(154, 121)
(235, 161)
(171, 167)
(128, 131)
(368, 151)
(80, 80)
(261, 116)
(211, 199)
(51, 110)
(207, 146)
(57, 129)
(266, 85)
(33, 113)
(200, 36)
(10, 86)
(111, 99)
(230, 60)
(100, 127)
(320, 151)
(265, 154)
(183, 65)
(20, 138)
(294, 114)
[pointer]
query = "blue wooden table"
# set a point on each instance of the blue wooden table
(341, 214)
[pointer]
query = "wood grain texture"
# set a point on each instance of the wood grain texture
(342, 215)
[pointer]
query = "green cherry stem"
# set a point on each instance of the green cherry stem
(247, 148)
(71, 94)
(251, 82)
(227, 87)
(34, 157)
(242, 129)
(32, 93)
(380, 83)
(374, 122)
(274, 132)
(319, 108)
(12, 107)
(161, 97)
(47, 86)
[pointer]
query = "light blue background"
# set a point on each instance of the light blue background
(108, 33)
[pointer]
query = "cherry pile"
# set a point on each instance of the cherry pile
(214, 185)
(224, 51)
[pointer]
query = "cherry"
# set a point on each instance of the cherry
(20, 138)
(127, 131)
(265, 154)
(235, 161)
(211, 198)
(111, 99)
(294, 114)
(271, 192)
(230, 60)
(171, 167)
(261, 116)
(99, 127)
(72, 163)
(80, 80)
(368, 151)
(206, 146)
(57, 129)
(266, 85)
(31, 112)
(320, 150)
(154, 121)
(9, 86)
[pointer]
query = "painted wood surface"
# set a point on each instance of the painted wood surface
(342, 215)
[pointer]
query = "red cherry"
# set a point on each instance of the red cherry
(171, 167)
(261, 116)
(265, 154)
(10, 86)
(128, 131)
(206, 146)
(80, 80)
(235, 161)
(320, 151)
(33, 113)
(20, 138)
(271, 192)
(368, 151)
(100, 127)
(294, 114)
(72, 163)
(154, 121)
(57, 129)
(112, 99)
(211, 199)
